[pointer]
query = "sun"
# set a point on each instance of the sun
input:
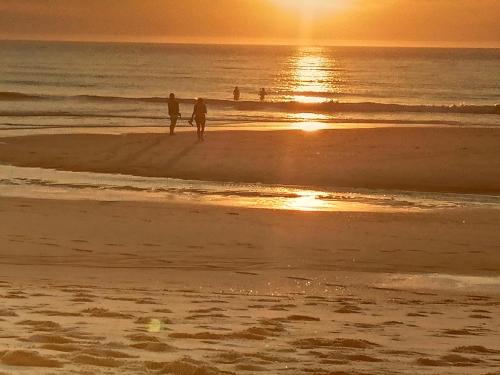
(318, 7)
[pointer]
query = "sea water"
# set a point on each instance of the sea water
(48, 84)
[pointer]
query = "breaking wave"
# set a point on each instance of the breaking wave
(325, 107)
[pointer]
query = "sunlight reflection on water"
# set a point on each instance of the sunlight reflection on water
(314, 75)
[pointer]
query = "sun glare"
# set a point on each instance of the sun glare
(318, 7)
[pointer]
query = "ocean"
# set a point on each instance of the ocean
(48, 84)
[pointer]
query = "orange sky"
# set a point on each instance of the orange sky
(386, 22)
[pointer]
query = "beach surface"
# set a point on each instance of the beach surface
(460, 160)
(184, 289)
(158, 287)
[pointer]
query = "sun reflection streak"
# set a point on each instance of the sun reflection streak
(313, 75)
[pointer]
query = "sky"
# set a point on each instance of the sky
(472, 23)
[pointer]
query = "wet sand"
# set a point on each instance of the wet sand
(461, 160)
(149, 288)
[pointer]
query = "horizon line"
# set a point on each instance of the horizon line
(283, 43)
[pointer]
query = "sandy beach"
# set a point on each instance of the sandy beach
(106, 286)
(124, 287)
(340, 215)
(460, 160)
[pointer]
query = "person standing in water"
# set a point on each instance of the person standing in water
(236, 93)
(173, 112)
(200, 117)
(262, 94)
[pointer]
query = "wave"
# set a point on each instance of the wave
(325, 107)
(373, 107)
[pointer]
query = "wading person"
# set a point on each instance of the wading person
(173, 112)
(236, 93)
(262, 94)
(200, 117)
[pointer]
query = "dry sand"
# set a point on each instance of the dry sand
(143, 288)
(425, 159)
(105, 287)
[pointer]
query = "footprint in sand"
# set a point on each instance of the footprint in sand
(97, 312)
(184, 366)
(82, 250)
(151, 245)
(27, 358)
(350, 250)
(479, 316)
(318, 343)
(80, 241)
(457, 332)
(417, 315)
(85, 359)
(7, 313)
(478, 350)
(82, 300)
(449, 360)
(298, 278)
(50, 339)
(207, 316)
(298, 318)
(349, 309)
(163, 311)
(42, 326)
(63, 348)
(58, 313)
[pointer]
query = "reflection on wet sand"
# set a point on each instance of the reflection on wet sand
(52, 184)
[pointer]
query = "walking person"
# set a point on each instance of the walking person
(173, 112)
(200, 117)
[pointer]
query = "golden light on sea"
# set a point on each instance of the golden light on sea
(312, 75)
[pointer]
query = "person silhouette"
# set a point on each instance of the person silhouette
(236, 93)
(262, 94)
(199, 115)
(173, 112)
